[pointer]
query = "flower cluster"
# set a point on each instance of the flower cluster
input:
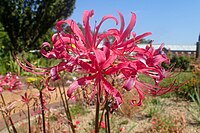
(9, 82)
(99, 55)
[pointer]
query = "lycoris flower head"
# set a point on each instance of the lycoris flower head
(25, 98)
(9, 82)
(99, 57)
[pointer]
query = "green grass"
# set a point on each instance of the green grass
(153, 107)
(78, 109)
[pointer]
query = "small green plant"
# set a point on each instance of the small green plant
(153, 107)
(131, 129)
(78, 109)
(53, 117)
(196, 111)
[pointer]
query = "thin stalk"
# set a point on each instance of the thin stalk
(6, 123)
(29, 121)
(107, 117)
(12, 124)
(107, 121)
(97, 108)
(9, 118)
(43, 116)
(68, 111)
(101, 119)
(61, 95)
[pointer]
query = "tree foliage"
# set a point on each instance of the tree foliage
(25, 21)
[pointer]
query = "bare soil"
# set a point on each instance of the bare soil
(166, 116)
(173, 116)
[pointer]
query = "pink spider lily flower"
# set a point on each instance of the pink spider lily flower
(25, 98)
(86, 54)
(82, 52)
(9, 82)
(83, 49)
(100, 61)
(148, 62)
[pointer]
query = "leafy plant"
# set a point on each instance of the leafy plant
(153, 107)
(196, 110)
(78, 109)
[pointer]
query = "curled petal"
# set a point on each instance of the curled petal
(112, 91)
(78, 83)
(30, 68)
(129, 28)
(155, 89)
(98, 27)
(45, 53)
(54, 74)
(138, 38)
(59, 25)
(122, 22)
(129, 83)
(86, 17)
(156, 60)
(54, 38)
(141, 97)
(47, 84)
(77, 31)
(159, 50)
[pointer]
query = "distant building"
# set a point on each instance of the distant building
(189, 50)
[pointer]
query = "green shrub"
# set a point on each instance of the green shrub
(178, 63)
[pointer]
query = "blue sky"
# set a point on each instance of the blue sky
(170, 21)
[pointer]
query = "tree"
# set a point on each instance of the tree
(25, 21)
(4, 39)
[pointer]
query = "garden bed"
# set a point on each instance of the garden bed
(156, 115)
